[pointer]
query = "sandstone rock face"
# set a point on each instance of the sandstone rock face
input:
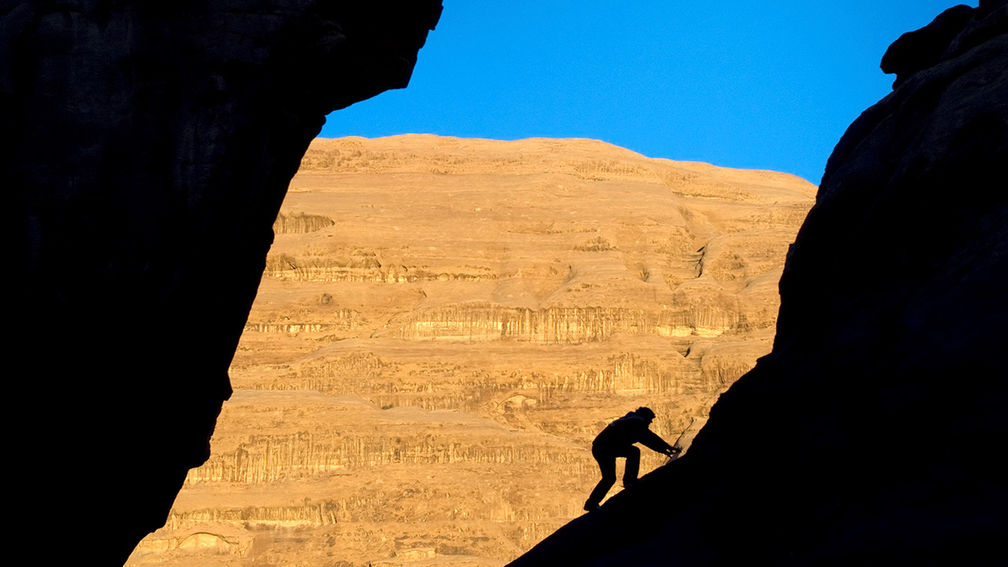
(148, 147)
(870, 434)
(443, 326)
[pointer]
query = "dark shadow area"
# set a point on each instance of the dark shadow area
(148, 147)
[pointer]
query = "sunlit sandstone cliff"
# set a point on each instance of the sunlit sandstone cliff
(147, 148)
(445, 323)
(871, 434)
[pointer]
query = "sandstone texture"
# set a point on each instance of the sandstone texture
(443, 326)
(147, 149)
(870, 435)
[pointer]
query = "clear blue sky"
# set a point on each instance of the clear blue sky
(768, 85)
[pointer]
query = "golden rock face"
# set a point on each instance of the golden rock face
(444, 325)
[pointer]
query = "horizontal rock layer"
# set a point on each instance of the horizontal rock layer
(436, 361)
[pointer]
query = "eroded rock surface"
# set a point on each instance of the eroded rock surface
(147, 149)
(422, 378)
(870, 435)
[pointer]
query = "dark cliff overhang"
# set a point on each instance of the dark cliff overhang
(147, 148)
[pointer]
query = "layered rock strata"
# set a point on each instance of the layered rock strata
(870, 434)
(148, 147)
(423, 376)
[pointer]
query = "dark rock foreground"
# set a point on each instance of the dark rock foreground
(872, 433)
(147, 149)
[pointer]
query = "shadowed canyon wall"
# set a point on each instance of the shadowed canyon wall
(147, 149)
(871, 434)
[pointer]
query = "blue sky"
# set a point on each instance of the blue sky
(767, 85)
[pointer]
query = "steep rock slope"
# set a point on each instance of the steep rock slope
(870, 435)
(147, 149)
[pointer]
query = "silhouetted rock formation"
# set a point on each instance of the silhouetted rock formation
(871, 434)
(925, 47)
(148, 146)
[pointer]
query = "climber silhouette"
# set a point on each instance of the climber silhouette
(617, 440)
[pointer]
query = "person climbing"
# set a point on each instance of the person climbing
(617, 440)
